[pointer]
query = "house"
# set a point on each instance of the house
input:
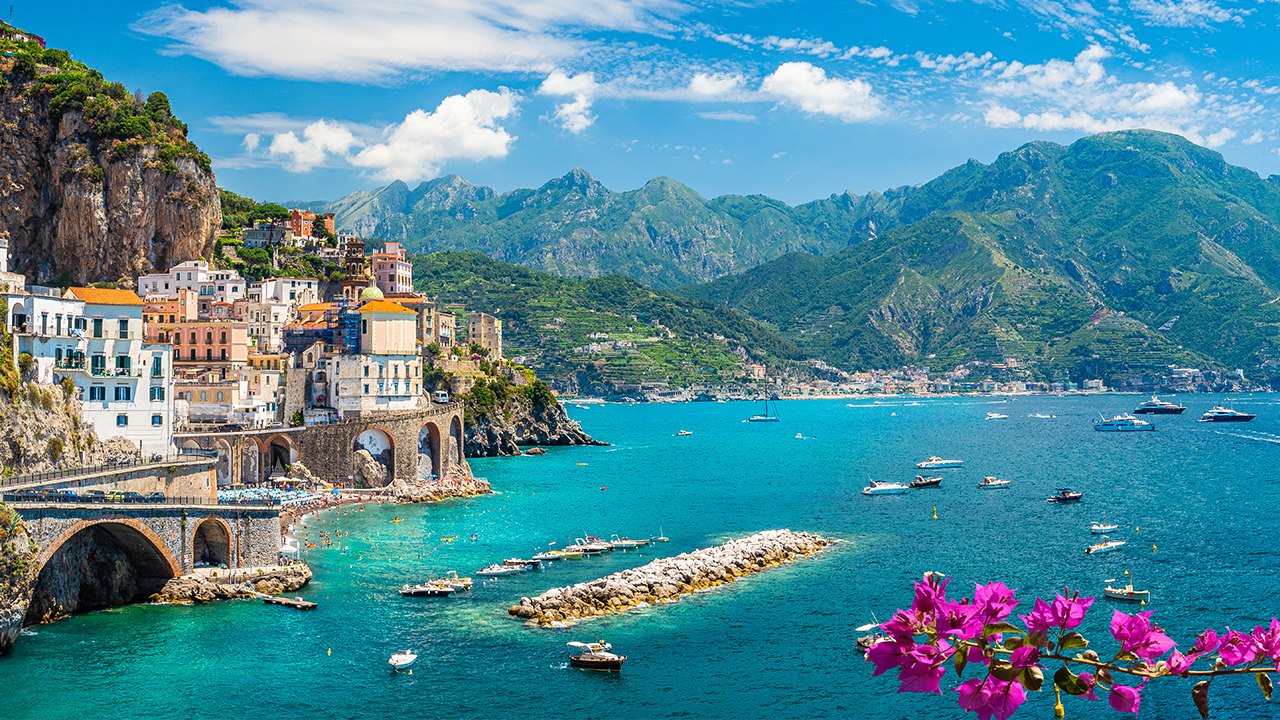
(268, 235)
(204, 343)
(45, 326)
(210, 285)
(300, 222)
(485, 330)
(387, 372)
(392, 270)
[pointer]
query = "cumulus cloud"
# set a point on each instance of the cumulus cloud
(808, 88)
(574, 116)
(717, 85)
(320, 138)
(374, 40)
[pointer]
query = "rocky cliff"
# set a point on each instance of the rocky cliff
(17, 574)
(521, 422)
(42, 430)
(95, 184)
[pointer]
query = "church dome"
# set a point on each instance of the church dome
(371, 293)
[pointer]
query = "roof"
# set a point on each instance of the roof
(384, 306)
(105, 296)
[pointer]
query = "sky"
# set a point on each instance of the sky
(314, 99)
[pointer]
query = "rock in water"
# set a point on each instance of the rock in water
(665, 580)
(368, 471)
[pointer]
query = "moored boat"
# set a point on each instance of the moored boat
(402, 661)
(497, 570)
(683, 433)
(1103, 527)
(1156, 406)
(595, 656)
(934, 462)
(993, 483)
(1219, 413)
(427, 590)
(1107, 545)
(1122, 423)
(526, 564)
(881, 488)
(924, 482)
(591, 546)
(1065, 495)
(996, 416)
(626, 543)
(1127, 591)
(660, 537)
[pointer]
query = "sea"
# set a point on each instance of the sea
(1196, 503)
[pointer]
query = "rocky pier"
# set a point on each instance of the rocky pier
(665, 580)
(227, 584)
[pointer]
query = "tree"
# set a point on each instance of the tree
(157, 107)
(270, 212)
(320, 230)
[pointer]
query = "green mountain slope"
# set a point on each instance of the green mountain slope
(550, 320)
(1015, 259)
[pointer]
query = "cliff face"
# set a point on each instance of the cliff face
(42, 430)
(521, 422)
(84, 211)
(17, 574)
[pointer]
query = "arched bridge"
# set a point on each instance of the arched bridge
(408, 444)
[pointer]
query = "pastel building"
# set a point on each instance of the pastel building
(387, 372)
(300, 221)
(202, 343)
(45, 325)
(392, 270)
(210, 285)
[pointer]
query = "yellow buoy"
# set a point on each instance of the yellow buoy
(935, 512)
(330, 651)
(1153, 548)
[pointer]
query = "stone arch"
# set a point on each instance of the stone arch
(191, 444)
(455, 442)
(223, 466)
(134, 536)
(281, 452)
(429, 455)
(380, 444)
(251, 453)
(211, 541)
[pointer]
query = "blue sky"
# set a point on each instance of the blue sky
(796, 100)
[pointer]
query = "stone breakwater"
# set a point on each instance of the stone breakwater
(416, 492)
(228, 584)
(665, 580)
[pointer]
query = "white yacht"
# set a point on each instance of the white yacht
(996, 416)
(934, 462)
(1107, 545)
(1222, 414)
(993, 483)
(1122, 423)
(1156, 406)
(880, 488)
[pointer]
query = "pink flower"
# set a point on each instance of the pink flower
(995, 602)
(1126, 699)
(1236, 648)
(1267, 641)
(1065, 613)
(1138, 636)
(907, 624)
(923, 668)
(1040, 617)
(1091, 684)
(1206, 642)
(957, 620)
(1179, 663)
(1025, 657)
(890, 654)
(929, 592)
(991, 697)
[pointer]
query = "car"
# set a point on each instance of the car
(93, 495)
(66, 495)
(154, 497)
(133, 497)
(115, 496)
(440, 396)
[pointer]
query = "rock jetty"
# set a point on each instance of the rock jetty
(228, 584)
(665, 580)
(416, 492)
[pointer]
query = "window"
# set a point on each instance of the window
(208, 353)
(157, 420)
(122, 420)
(193, 353)
(170, 318)
(193, 341)
(224, 353)
(208, 337)
(157, 366)
(366, 388)
(204, 396)
(97, 392)
(98, 364)
(364, 327)
(177, 354)
(223, 341)
(57, 324)
(157, 393)
(177, 338)
(124, 329)
(97, 327)
(166, 286)
(366, 371)
(122, 363)
(124, 393)
(80, 323)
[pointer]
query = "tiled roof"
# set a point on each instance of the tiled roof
(384, 306)
(105, 296)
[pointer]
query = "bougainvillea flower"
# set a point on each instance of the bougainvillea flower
(956, 620)
(1267, 641)
(991, 698)
(1040, 617)
(1206, 642)
(906, 624)
(1179, 663)
(1065, 613)
(1025, 657)
(995, 602)
(1126, 699)
(889, 654)
(1089, 682)
(1138, 636)
(923, 668)
(929, 592)
(1236, 647)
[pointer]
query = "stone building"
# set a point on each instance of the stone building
(485, 330)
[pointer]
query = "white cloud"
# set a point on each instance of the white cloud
(1185, 13)
(462, 127)
(808, 88)
(319, 139)
(779, 154)
(1219, 138)
(251, 141)
(573, 116)
(1254, 139)
(727, 116)
(713, 86)
(373, 40)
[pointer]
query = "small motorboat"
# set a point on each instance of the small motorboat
(496, 570)
(683, 433)
(1065, 495)
(1107, 545)
(526, 564)
(660, 537)
(1122, 423)
(996, 416)
(880, 488)
(1221, 414)
(595, 656)
(402, 661)
(589, 546)
(1156, 406)
(933, 463)
(924, 482)
(427, 590)
(452, 580)
(1126, 592)
(626, 543)
(993, 483)
(1103, 527)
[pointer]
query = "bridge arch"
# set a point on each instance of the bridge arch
(146, 548)
(455, 443)
(211, 542)
(223, 467)
(429, 454)
(380, 443)
(281, 452)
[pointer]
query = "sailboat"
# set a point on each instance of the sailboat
(1103, 527)
(1127, 592)
(766, 417)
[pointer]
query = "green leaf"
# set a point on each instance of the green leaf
(1264, 682)
(1032, 679)
(1073, 641)
(1124, 655)
(1039, 638)
(961, 660)
(1200, 696)
(1013, 643)
(1001, 627)
(1002, 670)
(1069, 682)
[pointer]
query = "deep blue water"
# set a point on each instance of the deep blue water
(777, 644)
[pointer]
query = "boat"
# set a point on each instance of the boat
(402, 661)
(1126, 592)
(496, 570)
(626, 543)
(996, 416)
(427, 590)
(1122, 423)
(993, 483)
(682, 433)
(590, 548)
(934, 462)
(1065, 495)
(1221, 414)
(766, 417)
(660, 537)
(595, 656)
(1102, 527)
(1156, 406)
(1106, 545)
(880, 488)
(452, 580)
(924, 482)
(526, 564)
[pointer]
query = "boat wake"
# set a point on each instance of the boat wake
(1041, 416)
(1270, 439)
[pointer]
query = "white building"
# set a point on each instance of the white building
(43, 324)
(222, 286)
(298, 291)
(386, 374)
(125, 383)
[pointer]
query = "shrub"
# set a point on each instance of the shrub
(25, 361)
(55, 448)
(540, 393)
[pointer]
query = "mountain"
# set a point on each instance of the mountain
(664, 234)
(650, 336)
(99, 183)
(1124, 247)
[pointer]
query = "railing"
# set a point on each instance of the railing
(60, 497)
(185, 455)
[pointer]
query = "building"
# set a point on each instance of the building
(434, 326)
(125, 383)
(387, 372)
(210, 285)
(300, 222)
(297, 291)
(45, 326)
(9, 281)
(392, 270)
(180, 306)
(268, 235)
(485, 330)
(204, 343)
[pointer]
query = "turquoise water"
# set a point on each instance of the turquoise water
(777, 644)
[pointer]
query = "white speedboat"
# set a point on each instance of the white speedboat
(1103, 527)
(1221, 414)
(879, 488)
(683, 433)
(591, 546)
(452, 580)
(1156, 406)
(996, 416)
(402, 661)
(934, 462)
(1126, 592)
(496, 570)
(427, 590)
(595, 656)
(1122, 423)
(1107, 545)
(993, 483)
(626, 543)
